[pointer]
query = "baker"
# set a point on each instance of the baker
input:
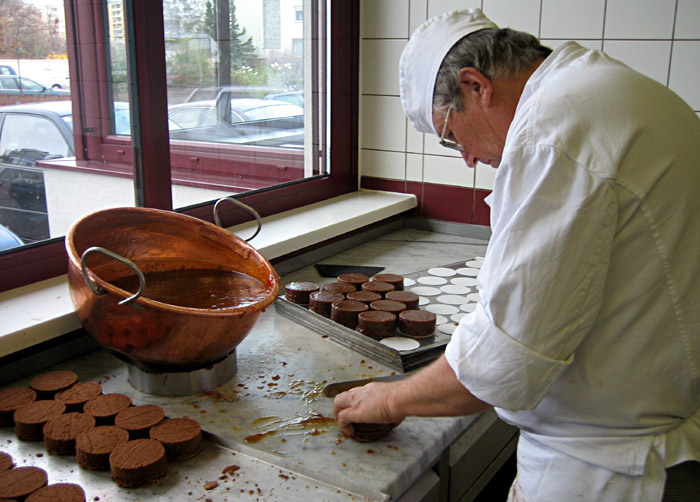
(587, 334)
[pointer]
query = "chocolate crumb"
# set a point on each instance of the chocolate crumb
(211, 485)
(230, 469)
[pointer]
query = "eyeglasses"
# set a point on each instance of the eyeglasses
(446, 142)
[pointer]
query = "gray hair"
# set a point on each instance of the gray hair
(494, 52)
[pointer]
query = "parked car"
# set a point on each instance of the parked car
(15, 85)
(7, 70)
(249, 121)
(294, 97)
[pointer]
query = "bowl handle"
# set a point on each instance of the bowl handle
(244, 206)
(99, 291)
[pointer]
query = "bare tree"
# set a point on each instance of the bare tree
(26, 32)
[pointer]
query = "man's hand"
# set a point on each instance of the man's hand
(367, 404)
(432, 392)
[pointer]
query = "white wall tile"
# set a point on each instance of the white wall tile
(688, 19)
(436, 7)
(414, 139)
(572, 18)
(414, 167)
(380, 66)
(447, 171)
(649, 58)
(484, 176)
(417, 14)
(685, 72)
(381, 164)
(384, 19)
(383, 123)
(522, 15)
(640, 19)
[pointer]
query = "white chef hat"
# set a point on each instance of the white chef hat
(423, 55)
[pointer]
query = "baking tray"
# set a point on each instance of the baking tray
(430, 348)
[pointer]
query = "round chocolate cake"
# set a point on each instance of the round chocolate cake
(93, 446)
(355, 279)
(364, 296)
(406, 297)
(106, 406)
(393, 279)
(138, 420)
(376, 323)
(5, 461)
(19, 482)
(48, 384)
(365, 433)
(345, 312)
(321, 301)
(338, 287)
(60, 432)
(30, 418)
(388, 306)
(138, 462)
(381, 288)
(58, 492)
(11, 399)
(181, 437)
(298, 292)
(80, 393)
(417, 323)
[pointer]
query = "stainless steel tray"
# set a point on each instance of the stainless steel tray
(430, 348)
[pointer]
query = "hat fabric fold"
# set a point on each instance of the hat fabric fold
(423, 55)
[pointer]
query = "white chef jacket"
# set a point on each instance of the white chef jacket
(587, 335)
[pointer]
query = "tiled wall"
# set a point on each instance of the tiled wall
(660, 38)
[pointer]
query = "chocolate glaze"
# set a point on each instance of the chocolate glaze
(376, 323)
(338, 287)
(345, 312)
(298, 292)
(393, 279)
(364, 296)
(355, 279)
(405, 297)
(321, 301)
(381, 288)
(388, 306)
(417, 323)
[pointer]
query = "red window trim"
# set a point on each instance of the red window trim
(44, 260)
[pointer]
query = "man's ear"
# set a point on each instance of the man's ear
(474, 82)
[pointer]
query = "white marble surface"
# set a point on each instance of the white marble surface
(276, 393)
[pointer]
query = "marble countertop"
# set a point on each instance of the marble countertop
(271, 417)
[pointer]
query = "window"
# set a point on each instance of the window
(130, 150)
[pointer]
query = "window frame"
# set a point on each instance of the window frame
(40, 261)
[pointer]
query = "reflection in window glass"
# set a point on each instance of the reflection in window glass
(236, 85)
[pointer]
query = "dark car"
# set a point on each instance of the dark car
(15, 85)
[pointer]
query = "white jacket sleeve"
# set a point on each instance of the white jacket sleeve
(541, 283)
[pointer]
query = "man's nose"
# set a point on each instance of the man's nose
(468, 158)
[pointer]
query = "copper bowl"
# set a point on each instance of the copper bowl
(154, 335)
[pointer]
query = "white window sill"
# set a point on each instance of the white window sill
(38, 312)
